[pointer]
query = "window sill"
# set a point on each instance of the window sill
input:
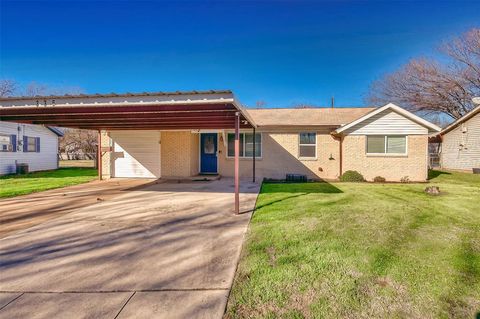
(230, 158)
(386, 155)
(308, 158)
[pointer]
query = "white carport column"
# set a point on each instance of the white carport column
(237, 162)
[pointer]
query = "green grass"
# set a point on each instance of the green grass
(351, 250)
(14, 185)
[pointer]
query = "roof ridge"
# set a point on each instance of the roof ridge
(126, 94)
(312, 108)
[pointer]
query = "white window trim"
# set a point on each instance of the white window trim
(385, 138)
(246, 157)
(35, 144)
(316, 148)
(10, 146)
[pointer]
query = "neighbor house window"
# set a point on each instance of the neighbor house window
(246, 145)
(387, 144)
(31, 144)
(307, 145)
(8, 143)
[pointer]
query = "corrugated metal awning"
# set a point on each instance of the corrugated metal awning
(207, 110)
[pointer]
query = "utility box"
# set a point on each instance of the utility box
(22, 168)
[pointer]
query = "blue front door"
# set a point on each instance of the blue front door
(208, 153)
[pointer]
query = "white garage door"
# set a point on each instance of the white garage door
(136, 153)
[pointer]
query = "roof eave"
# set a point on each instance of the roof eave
(430, 126)
(461, 120)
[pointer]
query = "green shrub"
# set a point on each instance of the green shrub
(352, 176)
(379, 179)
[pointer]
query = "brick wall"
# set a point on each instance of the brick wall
(393, 168)
(179, 154)
(106, 156)
(280, 156)
(180, 157)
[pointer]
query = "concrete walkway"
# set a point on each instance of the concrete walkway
(167, 250)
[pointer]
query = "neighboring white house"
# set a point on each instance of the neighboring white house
(460, 148)
(34, 145)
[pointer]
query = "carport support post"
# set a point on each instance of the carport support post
(99, 154)
(254, 142)
(237, 162)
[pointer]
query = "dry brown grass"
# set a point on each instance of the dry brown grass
(76, 163)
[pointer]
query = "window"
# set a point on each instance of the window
(209, 145)
(307, 145)
(386, 144)
(8, 143)
(246, 145)
(31, 144)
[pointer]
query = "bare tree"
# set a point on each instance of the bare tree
(260, 104)
(78, 144)
(431, 86)
(35, 88)
(7, 87)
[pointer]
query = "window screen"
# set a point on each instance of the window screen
(249, 145)
(396, 144)
(376, 144)
(31, 144)
(5, 143)
(385, 144)
(246, 145)
(307, 145)
(231, 144)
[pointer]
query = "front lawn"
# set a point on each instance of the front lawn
(321, 250)
(14, 185)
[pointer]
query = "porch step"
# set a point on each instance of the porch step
(205, 177)
(196, 178)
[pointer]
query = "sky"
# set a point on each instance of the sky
(281, 53)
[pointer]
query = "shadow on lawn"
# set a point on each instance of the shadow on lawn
(434, 174)
(310, 187)
(293, 190)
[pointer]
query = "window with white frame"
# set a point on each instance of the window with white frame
(387, 144)
(32, 144)
(6, 143)
(246, 145)
(307, 146)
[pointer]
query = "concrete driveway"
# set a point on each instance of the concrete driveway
(166, 250)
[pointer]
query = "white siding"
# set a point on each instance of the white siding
(461, 149)
(136, 154)
(46, 159)
(387, 122)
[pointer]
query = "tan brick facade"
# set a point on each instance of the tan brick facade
(180, 157)
(106, 156)
(393, 168)
(179, 154)
(280, 156)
